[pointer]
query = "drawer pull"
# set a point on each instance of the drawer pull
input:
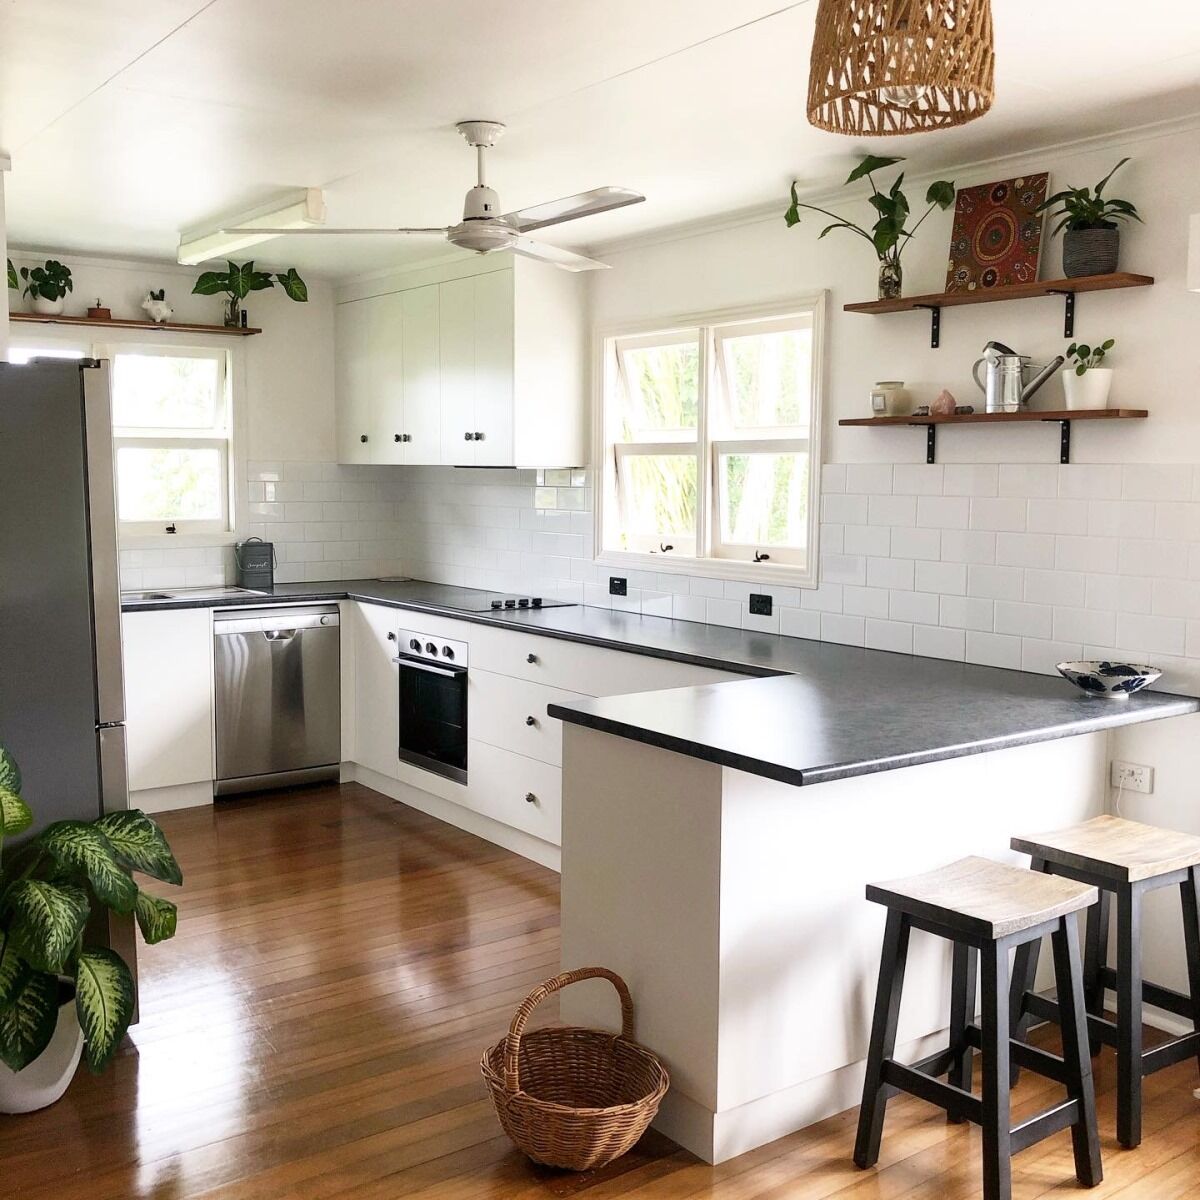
(531, 720)
(531, 658)
(530, 798)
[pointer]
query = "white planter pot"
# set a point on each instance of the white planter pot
(1089, 390)
(47, 308)
(46, 1078)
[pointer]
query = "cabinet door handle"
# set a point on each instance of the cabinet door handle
(467, 436)
(478, 437)
(397, 437)
(531, 720)
(530, 798)
(362, 437)
(408, 437)
(531, 658)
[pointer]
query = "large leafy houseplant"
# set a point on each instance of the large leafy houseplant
(14, 283)
(49, 885)
(1089, 221)
(238, 282)
(888, 236)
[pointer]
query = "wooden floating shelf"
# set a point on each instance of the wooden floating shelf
(128, 323)
(934, 302)
(1064, 417)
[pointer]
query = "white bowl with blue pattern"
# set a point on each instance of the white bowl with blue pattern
(1108, 679)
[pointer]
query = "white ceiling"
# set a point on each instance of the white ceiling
(130, 120)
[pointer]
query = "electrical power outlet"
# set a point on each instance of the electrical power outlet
(618, 586)
(1133, 777)
(760, 605)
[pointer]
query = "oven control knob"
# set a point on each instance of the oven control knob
(497, 603)
(522, 603)
(413, 644)
(431, 648)
(447, 652)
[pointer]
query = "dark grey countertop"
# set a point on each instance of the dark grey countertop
(837, 711)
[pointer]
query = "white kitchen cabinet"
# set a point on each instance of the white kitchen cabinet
(168, 697)
(376, 689)
(496, 367)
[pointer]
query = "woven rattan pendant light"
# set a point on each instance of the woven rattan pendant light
(885, 67)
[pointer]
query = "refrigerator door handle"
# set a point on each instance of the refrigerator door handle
(114, 768)
(105, 564)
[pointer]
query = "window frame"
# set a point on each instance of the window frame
(167, 437)
(719, 559)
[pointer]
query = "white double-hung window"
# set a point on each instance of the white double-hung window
(171, 432)
(711, 445)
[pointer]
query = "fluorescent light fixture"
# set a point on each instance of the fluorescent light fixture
(303, 211)
(1193, 270)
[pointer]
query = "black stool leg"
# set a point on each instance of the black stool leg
(1129, 1016)
(997, 1114)
(962, 1014)
(1068, 978)
(883, 1038)
(1190, 891)
(1095, 959)
(1025, 966)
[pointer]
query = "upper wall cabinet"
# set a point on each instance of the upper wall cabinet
(484, 369)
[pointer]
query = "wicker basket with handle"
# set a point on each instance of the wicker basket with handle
(570, 1097)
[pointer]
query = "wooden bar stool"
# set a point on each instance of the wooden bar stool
(1125, 860)
(984, 909)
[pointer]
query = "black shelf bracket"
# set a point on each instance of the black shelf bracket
(1064, 441)
(931, 443)
(935, 327)
(1068, 315)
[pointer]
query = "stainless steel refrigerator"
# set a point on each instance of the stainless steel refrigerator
(62, 698)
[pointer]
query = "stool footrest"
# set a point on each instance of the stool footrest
(1170, 1053)
(1100, 1028)
(1061, 1116)
(1040, 1062)
(955, 1101)
(1155, 994)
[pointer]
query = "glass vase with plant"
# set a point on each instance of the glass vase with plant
(47, 286)
(888, 236)
(60, 994)
(238, 282)
(1090, 224)
(1086, 381)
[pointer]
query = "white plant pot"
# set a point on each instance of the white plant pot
(47, 308)
(1089, 390)
(49, 1075)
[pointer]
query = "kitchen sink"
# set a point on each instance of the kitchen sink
(222, 593)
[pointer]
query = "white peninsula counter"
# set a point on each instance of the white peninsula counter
(717, 842)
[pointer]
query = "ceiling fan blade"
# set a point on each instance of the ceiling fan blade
(570, 208)
(441, 232)
(567, 259)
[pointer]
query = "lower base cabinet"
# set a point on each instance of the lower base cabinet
(514, 790)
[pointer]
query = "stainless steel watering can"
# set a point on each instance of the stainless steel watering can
(1004, 383)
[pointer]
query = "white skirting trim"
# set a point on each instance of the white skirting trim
(717, 1137)
(168, 799)
(515, 840)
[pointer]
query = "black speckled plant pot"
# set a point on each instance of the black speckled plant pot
(1090, 252)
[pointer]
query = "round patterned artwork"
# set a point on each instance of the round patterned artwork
(997, 234)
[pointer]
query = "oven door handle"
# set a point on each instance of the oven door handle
(418, 664)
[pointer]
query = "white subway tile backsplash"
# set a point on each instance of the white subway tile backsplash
(1162, 635)
(995, 583)
(993, 650)
(892, 510)
(844, 509)
(1085, 553)
(917, 479)
(869, 478)
(936, 641)
(867, 539)
(844, 568)
(943, 512)
(1042, 656)
(799, 622)
(891, 573)
(849, 631)
(998, 514)
(916, 543)
(1027, 481)
(1058, 516)
(920, 608)
(1084, 624)
(942, 577)
(865, 601)
(1177, 521)
(1156, 481)
(888, 635)
(1055, 587)
(1025, 550)
(968, 545)
(968, 612)
(971, 479)
(683, 608)
(1024, 620)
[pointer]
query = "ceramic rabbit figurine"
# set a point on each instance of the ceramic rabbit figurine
(157, 307)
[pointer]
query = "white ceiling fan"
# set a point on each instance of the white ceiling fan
(484, 228)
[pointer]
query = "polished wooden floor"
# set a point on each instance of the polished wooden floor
(314, 1031)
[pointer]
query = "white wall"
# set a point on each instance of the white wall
(328, 522)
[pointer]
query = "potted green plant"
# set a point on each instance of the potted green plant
(238, 282)
(47, 285)
(1092, 237)
(888, 236)
(60, 996)
(14, 284)
(1086, 383)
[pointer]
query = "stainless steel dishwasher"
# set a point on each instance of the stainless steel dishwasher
(278, 696)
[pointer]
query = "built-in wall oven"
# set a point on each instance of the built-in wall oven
(433, 703)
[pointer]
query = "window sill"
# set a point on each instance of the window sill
(156, 541)
(711, 568)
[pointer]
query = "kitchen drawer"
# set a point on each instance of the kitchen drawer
(500, 712)
(577, 667)
(500, 784)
